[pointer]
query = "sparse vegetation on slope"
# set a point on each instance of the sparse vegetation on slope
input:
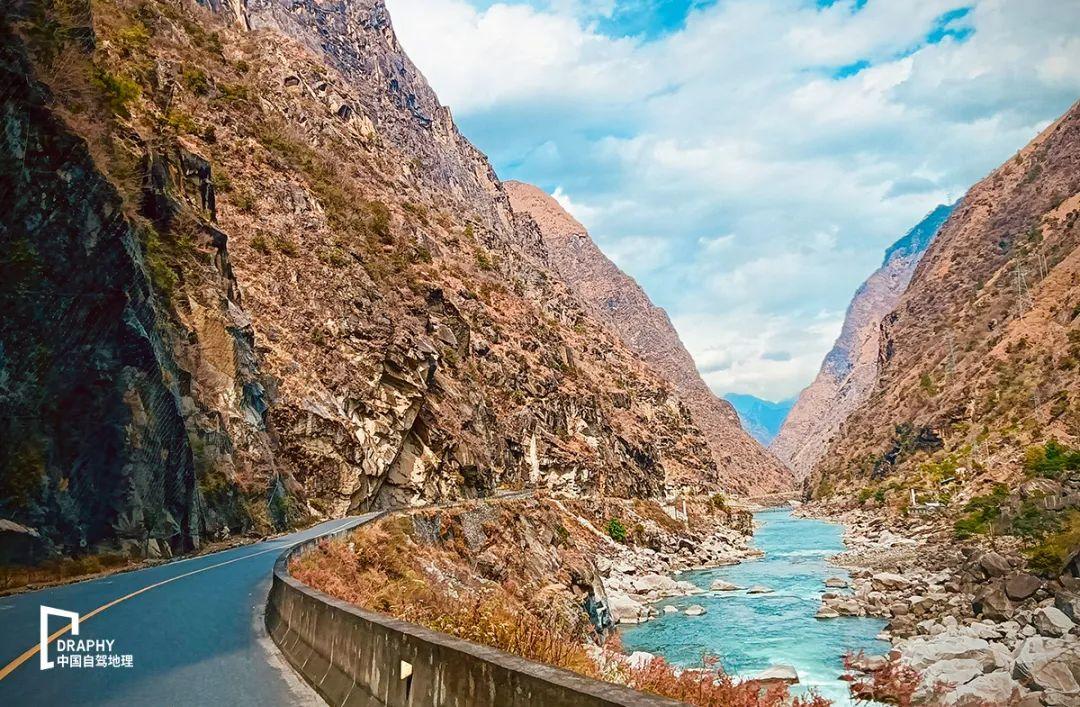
(337, 308)
(979, 350)
(517, 576)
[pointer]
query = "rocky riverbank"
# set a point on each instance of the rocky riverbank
(636, 577)
(976, 626)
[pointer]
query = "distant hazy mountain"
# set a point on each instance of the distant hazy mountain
(761, 418)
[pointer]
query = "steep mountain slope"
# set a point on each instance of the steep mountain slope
(616, 299)
(252, 273)
(761, 418)
(849, 370)
(981, 356)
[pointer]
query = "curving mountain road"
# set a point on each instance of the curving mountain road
(194, 629)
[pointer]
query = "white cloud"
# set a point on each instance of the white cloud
(638, 254)
(729, 165)
(582, 212)
(779, 360)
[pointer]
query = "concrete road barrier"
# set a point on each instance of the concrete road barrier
(352, 656)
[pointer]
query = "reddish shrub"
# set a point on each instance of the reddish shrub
(894, 683)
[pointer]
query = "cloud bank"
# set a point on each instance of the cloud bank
(748, 161)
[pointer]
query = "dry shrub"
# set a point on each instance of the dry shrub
(547, 637)
(378, 567)
(712, 688)
(651, 510)
(894, 684)
(374, 568)
(61, 570)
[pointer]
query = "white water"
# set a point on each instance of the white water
(753, 632)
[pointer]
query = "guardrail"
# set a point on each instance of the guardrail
(352, 656)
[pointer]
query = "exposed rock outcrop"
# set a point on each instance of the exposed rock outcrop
(616, 299)
(253, 273)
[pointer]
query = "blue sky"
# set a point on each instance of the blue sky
(748, 161)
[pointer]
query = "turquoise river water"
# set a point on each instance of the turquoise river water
(748, 632)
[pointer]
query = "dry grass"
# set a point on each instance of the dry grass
(383, 567)
(377, 568)
(13, 577)
(893, 684)
(712, 688)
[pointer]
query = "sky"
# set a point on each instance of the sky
(748, 161)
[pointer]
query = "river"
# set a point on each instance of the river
(751, 632)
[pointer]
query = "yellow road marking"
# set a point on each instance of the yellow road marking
(31, 652)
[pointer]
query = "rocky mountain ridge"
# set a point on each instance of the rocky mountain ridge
(849, 370)
(616, 299)
(279, 284)
(979, 359)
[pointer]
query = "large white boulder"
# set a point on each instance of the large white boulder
(990, 689)
(884, 581)
(695, 610)
(719, 585)
(938, 678)
(1048, 664)
(626, 610)
(653, 583)
(777, 673)
(921, 652)
(1051, 621)
(639, 659)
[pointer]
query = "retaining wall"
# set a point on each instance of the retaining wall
(356, 657)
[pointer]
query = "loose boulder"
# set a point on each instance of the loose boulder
(954, 672)
(1021, 586)
(653, 583)
(994, 565)
(1051, 621)
(777, 674)
(639, 659)
(1068, 603)
(869, 663)
(885, 581)
(992, 602)
(990, 689)
(627, 610)
(1047, 664)
(922, 652)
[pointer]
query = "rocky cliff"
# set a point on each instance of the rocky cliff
(616, 299)
(849, 370)
(980, 358)
(252, 274)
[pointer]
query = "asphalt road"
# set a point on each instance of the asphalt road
(195, 639)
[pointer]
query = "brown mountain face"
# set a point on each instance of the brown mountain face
(849, 372)
(616, 299)
(253, 273)
(981, 356)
